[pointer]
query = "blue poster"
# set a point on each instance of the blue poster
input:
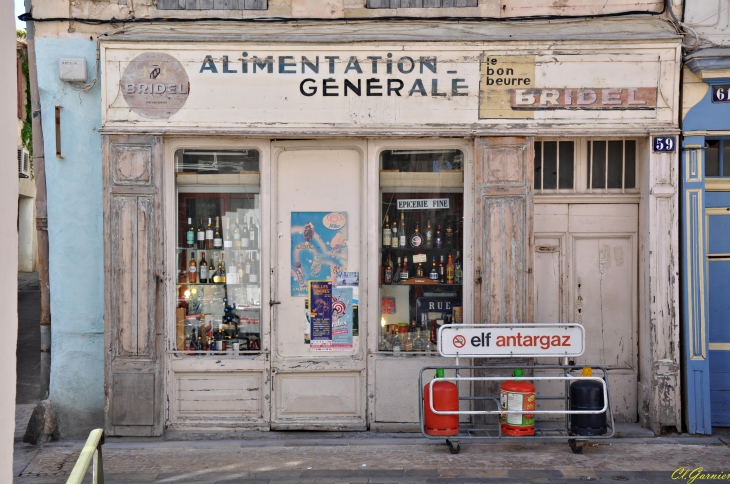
(318, 248)
(320, 309)
(342, 302)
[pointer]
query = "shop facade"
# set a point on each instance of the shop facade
(516, 168)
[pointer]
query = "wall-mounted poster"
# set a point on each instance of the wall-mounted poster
(318, 248)
(320, 307)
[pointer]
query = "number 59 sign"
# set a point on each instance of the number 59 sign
(664, 144)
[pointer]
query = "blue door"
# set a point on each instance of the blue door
(718, 269)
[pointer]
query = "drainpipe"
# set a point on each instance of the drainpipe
(39, 170)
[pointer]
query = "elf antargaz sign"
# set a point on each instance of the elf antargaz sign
(496, 340)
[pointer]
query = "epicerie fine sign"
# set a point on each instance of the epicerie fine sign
(423, 204)
(495, 340)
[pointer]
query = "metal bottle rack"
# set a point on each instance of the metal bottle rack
(544, 431)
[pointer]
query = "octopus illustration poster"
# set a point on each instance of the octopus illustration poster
(318, 248)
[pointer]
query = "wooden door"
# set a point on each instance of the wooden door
(134, 285)
(313, 389)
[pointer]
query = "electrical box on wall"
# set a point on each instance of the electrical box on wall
(72, 69)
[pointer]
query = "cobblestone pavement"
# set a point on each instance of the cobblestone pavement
(385, 460)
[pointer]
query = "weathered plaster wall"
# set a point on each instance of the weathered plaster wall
(75, 238)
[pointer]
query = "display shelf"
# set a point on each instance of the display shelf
(420, 250)
(216, 284)
(240, 249)
(422, 281)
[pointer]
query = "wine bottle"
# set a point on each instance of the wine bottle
(396, 275)
(236, 235)
(433, 275)
(429, 235)
(386, 232)
(253, 277)
(442, 273)
(245, 240)
(388, 278)
(449, 235)
(222, 272)
(215, 277)
(394, 235)
(402, 231)
(450, 271)
(404, 275)
(190, 234)
(416, 238)
(228, 241)
(209, 235)
(201, 235)
(252, 235)
(217, 237)
(458, 271)
(192, 269)
(204, 271)
(419, 270)
(438, 241)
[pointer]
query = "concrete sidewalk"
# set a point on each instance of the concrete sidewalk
(364, 457)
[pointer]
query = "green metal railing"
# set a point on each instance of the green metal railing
(92, 449)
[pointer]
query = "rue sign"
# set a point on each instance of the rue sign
(500, 340)
(721, 94)
(665, 144)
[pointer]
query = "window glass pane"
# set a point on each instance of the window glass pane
(550, 164)
(615, 164)
(726, 158)
(538, 164)
(421, 247)
(567, 153)
(218, 253)
(712, 158)
(598, 165)
(630, 166)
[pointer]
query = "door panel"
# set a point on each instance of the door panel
(315, 389)
(548, 280)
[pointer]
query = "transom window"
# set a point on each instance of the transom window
(584, 165)
(717, 158)
(421, 3)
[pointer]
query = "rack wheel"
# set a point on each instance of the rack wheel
(454, 446)
(576, 446)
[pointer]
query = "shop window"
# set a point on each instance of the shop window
(421, 3)
(218, 252)
(422, 208)
(554, 165)
(212, 4)
(611, 164)
(717, 158)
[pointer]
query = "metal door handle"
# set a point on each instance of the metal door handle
(271, 303)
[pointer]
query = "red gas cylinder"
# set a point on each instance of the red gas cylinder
(517, 395)
(445, 399)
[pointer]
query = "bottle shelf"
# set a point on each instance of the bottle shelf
(218, 249)
(216, 284)
(420, 250)
(421, 281)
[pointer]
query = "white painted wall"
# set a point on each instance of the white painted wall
(8, 237)
(710, 19)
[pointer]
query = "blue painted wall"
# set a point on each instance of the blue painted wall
(75, 211)
(706, 116)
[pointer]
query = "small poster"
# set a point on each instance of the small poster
(320, 307)
(342, 304)
(318, 248)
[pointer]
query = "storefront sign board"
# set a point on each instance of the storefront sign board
(423, 204)
(276, 86)
(499, 340)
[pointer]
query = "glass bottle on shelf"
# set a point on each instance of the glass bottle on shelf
(236, 235)
(217, 237)
(416, 238)
(458, 272)
(388, 276)
(449, 235)
(404, 275)
(394, 235)
(245, 240)
(204, 270)
(253, 235)
(396, 344)
(253, 277)
(222, 271)
(192, 269)
(429, 235)
(190, 234)
(201, 235)
(438, 241)
(450, 271)
(433, 275)
(408, 345)
(386, 232)
(442, 272)
(396, 275)
(419, 270)
(209, 234)
(402, 231)
(419, 344)
(228, 241)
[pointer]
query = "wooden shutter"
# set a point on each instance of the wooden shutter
(212, 4)
(134, 285)
(421, 3)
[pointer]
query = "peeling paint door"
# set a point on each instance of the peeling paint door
(311, 389)
(586, 272)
